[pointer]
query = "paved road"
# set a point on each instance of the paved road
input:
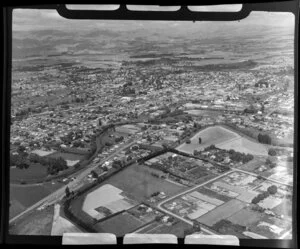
(60, 193)
(271, 180)
(186, 191)
(159, 206)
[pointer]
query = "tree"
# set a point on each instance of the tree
(21, 148)
(188, 231)
(272, 189)
(188, 141)
(196, 226)
(268, 161)
(157, 218)
(200, 140)
(94, 174)
(117, 164)
(67, 191)
(272, 152)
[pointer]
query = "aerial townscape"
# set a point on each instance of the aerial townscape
(152, 127)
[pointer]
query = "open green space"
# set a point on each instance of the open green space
(245, 217)
(213, 194)
(24, 196)
(221, 212)
(120, 224)
(34, 223)
(209, 136)
(139, 183)
(284, 208)
(175, 228)
(35, 171)
(67, 156)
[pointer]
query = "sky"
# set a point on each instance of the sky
(34, 19)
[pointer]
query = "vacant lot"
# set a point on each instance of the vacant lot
(119, 224)
(34, 223)
(221, 212)
(139, 183)
(209, 136)
(35, 171)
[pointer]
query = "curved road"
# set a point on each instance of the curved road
(60, 193)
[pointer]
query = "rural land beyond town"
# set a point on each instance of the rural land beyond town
(152, 127)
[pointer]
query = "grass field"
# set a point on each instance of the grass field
(138, 182)
(255, 163)
(67, 156)
(223, 138)
(245, 217)
(120, 224)
(244, 145)
(284, 208)
(221, 212)
(34, 172)
(34, 223)
(159, 228)
(209, 136)
(24, 196)
(176, 229)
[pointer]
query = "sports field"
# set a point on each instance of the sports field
(209, 136)
(221, 212)
(138, 182)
